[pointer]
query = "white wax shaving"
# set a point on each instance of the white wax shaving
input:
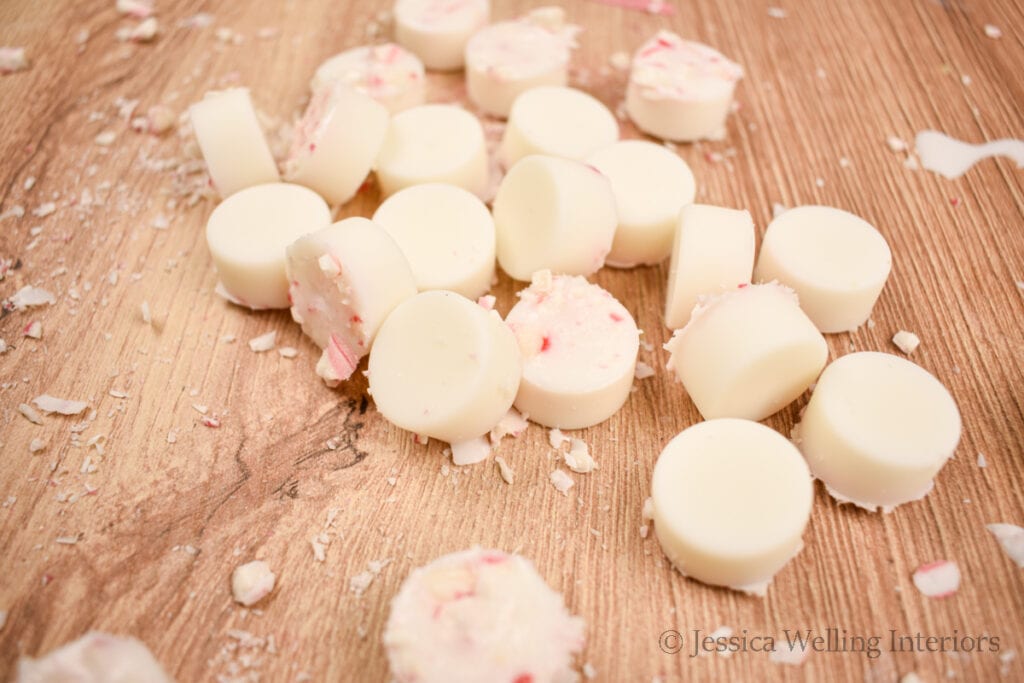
(1011, 538)
(51, 404)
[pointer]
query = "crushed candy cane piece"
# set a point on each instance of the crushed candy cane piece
(938, 579)
(896, 144)
(288, 351)
(264, 342)
(561, 481)
(648, 509)
(33, 330)
(470, 451)
(36, 445)
(1011, 537)
(29, 296)
(513, 424)
(51, 404)
(556, 438)
(211, 422)
(911, 677)
(161, 119)
(147, 317)
(578, 458)
(140, 9)
(487, 302)
(360, 582)
(982, 462)
(993, 31)
(143, 32)
(507, 473)
(12, 59)
(172, 436)
(620, 60)
(3, 347)
(907, 342)
(643, 370)
(106, 138)
(30, 414)
(251, 582)
(777, 13)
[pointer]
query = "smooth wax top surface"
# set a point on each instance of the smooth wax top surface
(890, 408)
(732, 487)
(556, 120)
(828, 246)
(446, 233)
(444, 367)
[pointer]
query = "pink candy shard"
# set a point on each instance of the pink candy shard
(937, 579)
(342, 360)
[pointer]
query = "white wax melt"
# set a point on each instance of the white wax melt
(651, 184)
(731, 500)
(446, 233)
(337, 142)
(878, 429)
(444, 367)
(232, 142)
(562, 122)
(247, 235)
(438, 30)
(439, 143)
(480, 615)
(836, 262)
(713, 253)
(747, 353)
(680, 90)
(344, 281)
(506, 59)
(95, 658)
(579, 348)
(388, 73)
(555, 214)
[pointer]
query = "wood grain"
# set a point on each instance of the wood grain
(168, 522)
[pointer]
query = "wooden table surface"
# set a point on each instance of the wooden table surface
(165, 523)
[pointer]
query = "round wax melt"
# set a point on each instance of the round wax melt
(651, 184)
(439, 143)
(731, 500)
(836, 262)
(480, 615)
(444, 367)
(747, 353)
(232, 142)
(446, 233)
(506, 59)
(387, 73)
(579, 347)
(562, 122)
(248, 233)
(555, 214)
(95, 656)
(713, 253)
(438, 30)
(680, 90)
(344, 280)
(336, 142)
(877, 429)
